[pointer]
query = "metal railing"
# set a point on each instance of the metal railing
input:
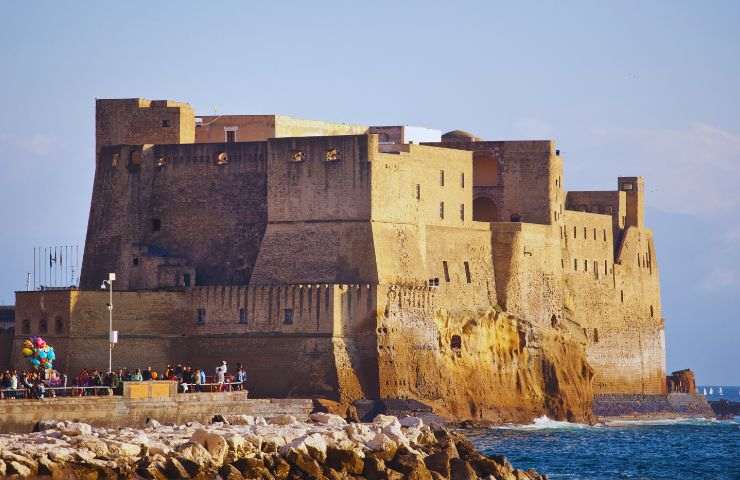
(54, 392)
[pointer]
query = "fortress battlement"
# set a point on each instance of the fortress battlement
(370, 261)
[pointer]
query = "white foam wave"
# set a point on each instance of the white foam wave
(665, 421)
(545, 423)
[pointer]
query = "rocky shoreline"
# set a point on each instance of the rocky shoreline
(240, 447)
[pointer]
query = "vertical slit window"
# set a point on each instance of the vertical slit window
(468, 277)
(446, 271)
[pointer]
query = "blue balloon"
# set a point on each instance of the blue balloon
(35, 362)
(51, 355)
(42, 354)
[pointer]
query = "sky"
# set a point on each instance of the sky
(646, 88)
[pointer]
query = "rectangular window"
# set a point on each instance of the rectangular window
(596, 269)
(242, 316)
(447, 272)
(462, 211)
(442, 178)
(585, 265)
(418, 191)
(288, 316)
(575, 264)
(434, 282)
(606, 267)
(468, 277)
(442, 210)
(562, 263)
(574, 231)
(585, 234)
(594, 234)
(462, 180)
(156, 224)
(165, 123)
(230, 136)
(186, 279)
(605, 234)
(201, 316)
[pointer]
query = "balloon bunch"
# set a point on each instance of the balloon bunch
(39, 353)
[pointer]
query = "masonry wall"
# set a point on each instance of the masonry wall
(208, 202)
(616, 302)
(319, 212)
(249, 128)
(138, 121)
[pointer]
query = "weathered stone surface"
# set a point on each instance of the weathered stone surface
(345, 460)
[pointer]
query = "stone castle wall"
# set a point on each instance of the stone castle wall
(361, 269)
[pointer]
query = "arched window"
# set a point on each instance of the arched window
(554, 321)
(26, 326)
(58, 325)
(456, 342)
(43, 326)
(484, 210)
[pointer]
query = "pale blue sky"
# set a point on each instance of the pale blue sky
(626, 88)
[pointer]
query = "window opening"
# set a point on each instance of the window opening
(288, 316)
(468, 276)
(447, 272)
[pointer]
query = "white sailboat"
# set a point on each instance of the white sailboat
(720, 391)
(705, 391)
(711, 391)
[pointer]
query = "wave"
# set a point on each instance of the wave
(545, 423)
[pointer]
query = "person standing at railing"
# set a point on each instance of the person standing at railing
(14, 380)
(241, 376)
(136, 377)
(221, 374)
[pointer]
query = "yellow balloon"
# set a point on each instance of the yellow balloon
(27, 344)
(27, 352)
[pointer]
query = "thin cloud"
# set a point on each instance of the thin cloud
(39, 144)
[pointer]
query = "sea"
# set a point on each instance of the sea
(641, 450)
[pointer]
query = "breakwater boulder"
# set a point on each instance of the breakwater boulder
(326, 447)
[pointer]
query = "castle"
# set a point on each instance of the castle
(352, 261)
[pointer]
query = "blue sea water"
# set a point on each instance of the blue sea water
(644, 450)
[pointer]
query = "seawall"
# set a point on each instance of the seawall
(672, 405)
(116, 411)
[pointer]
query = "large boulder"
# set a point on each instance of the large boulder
(345, 460)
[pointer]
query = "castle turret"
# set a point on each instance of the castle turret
(137, 121)
(634, 188)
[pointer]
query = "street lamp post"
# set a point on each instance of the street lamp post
(112, 335)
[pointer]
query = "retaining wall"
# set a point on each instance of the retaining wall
(115, 411)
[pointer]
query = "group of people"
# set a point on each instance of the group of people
(34, 384)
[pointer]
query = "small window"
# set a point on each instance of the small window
(605, 234)
(596, 335)
(621, 296)
(156, 224)
(58, 325)
(433, 282)
(515, 217)
(441, 178)
(468, 277)
(462, 211)
(230, 136)
(186, 279)
(596, 269)
(201, 316)
(332, 155)
(575, 264)
(585, 234)
(136, 261)
(606, 267)
(585, 265)
(288, 316)
(562, 263)
(296, 156)
(26, 326)
(462, 180)
(115, 159)
(638, 260)
(165, 123)
(418, 191)
(446, 271)
(242, 316)
(594, 234)
(554, 321)
(575, 232)
(44, 326)
(652, 312)
(442, 210)
(456, 342)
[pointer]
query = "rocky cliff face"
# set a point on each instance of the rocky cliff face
(483, 366)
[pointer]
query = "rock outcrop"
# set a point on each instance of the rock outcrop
(280, 448)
